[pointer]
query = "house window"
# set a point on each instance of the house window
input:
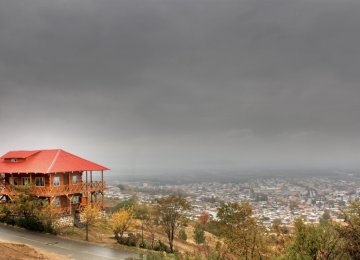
(56, 181)
(75, 179)
(25, 180)
(13, 181)
(56, 201)
(75, 199)
(39, 181)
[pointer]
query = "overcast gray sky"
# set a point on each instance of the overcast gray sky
(183, 83)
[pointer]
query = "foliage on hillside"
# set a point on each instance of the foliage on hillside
(91, 215)
(26, 210)
(235, 234)
(238, 234)
(171, 211)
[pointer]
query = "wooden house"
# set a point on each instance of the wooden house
(63, 179)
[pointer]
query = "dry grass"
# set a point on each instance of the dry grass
(12, 251)
(101, 233)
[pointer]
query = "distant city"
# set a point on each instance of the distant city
(281, 197)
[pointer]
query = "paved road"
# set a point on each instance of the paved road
(61, 246)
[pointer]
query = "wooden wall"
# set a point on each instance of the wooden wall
(64, 177)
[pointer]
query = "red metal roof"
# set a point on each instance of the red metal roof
(18, 154)
(46, 161)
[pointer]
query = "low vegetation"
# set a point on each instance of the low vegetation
(238, 234)
(235, 234)
(121, 221)
(26, 210)
(91, 214)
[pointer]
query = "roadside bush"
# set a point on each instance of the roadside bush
(27, 211)
(10, 221)
(31, 223)
(160, 246)
(131, 240)
(4, 213)
(120, 222)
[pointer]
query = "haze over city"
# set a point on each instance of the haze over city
(149, 85)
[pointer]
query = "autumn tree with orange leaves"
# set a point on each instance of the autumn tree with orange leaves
(121, 221)
(91, 214)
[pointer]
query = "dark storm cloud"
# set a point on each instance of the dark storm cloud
(183, 83)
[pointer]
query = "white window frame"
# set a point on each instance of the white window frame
(56, 184)
(75, 177)
(77, 200)
(56, 202)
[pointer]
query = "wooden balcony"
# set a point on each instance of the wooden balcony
(50, 191)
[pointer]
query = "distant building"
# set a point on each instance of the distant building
(53, 175)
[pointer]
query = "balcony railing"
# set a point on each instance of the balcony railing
(49, 191)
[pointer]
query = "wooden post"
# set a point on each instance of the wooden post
(51, 203)
(91, 187)
(102, 189)
(30, 184)
(70, 197)
(87, 194)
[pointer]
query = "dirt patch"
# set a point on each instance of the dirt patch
(12, 251)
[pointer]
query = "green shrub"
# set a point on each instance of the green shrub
(131, 240)
(199, 234)
(31, 223)
(160, 246)
(182, 234)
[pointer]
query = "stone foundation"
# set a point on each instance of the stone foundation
(64, 221)
(68, 221)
